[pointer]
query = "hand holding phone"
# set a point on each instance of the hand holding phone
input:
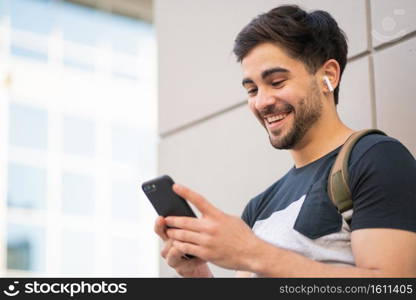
(165, 201)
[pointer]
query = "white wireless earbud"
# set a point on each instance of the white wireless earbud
(328, 84)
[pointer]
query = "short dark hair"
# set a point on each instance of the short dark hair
(312, 38)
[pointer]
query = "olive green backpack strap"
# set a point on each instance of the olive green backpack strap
(338, 179)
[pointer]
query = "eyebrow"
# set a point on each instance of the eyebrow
(265, 74)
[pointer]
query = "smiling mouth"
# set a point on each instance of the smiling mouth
(273, 120)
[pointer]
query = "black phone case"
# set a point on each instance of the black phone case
(165, 201)
(163, 198)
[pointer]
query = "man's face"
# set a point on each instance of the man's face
(283, 96)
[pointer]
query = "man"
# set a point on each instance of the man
(292, 63)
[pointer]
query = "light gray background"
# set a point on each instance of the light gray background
(209, 139)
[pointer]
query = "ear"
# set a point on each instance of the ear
(331, 70)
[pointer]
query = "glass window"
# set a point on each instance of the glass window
(126, 35)
(26, 186)
(77, 253)
(148, 153)
(29, 53)
(28, 126)
(77, 194)
(25, 247)
(125, 145)
(125, 200)
(4, 9)
(78, 136)
(125, 67)
(78, 63)
(127, 75)
(125, 257)
(79, 24)
(32, 15)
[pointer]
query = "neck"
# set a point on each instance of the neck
(326, 135)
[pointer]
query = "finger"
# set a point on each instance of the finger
(160, 228)
(189, 248)
(174, 257)
(200, 203)
(166, 248)
(187, 236)
(187, 223)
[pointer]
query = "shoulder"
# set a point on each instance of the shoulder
(376, 158)
(383, 184)
(377, 153)
(377, 143)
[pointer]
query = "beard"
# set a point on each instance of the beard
(309, 111)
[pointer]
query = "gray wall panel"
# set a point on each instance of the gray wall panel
(395, 91)
(354, 105)
(392, 19)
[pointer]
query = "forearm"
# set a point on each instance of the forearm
(243, 274)
(271, 261)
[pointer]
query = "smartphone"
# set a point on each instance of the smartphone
(165, 201)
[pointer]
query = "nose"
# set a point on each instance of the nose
(264, 99)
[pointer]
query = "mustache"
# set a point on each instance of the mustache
(275, 110)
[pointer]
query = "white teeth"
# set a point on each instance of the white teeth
(276, 118)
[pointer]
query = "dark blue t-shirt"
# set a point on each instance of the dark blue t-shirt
(296, 213)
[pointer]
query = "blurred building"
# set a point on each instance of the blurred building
(77, 137)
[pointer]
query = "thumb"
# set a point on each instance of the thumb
(196, 199)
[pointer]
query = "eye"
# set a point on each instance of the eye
(277, 83)
(252, 91)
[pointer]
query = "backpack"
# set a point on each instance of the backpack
(338, 180)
